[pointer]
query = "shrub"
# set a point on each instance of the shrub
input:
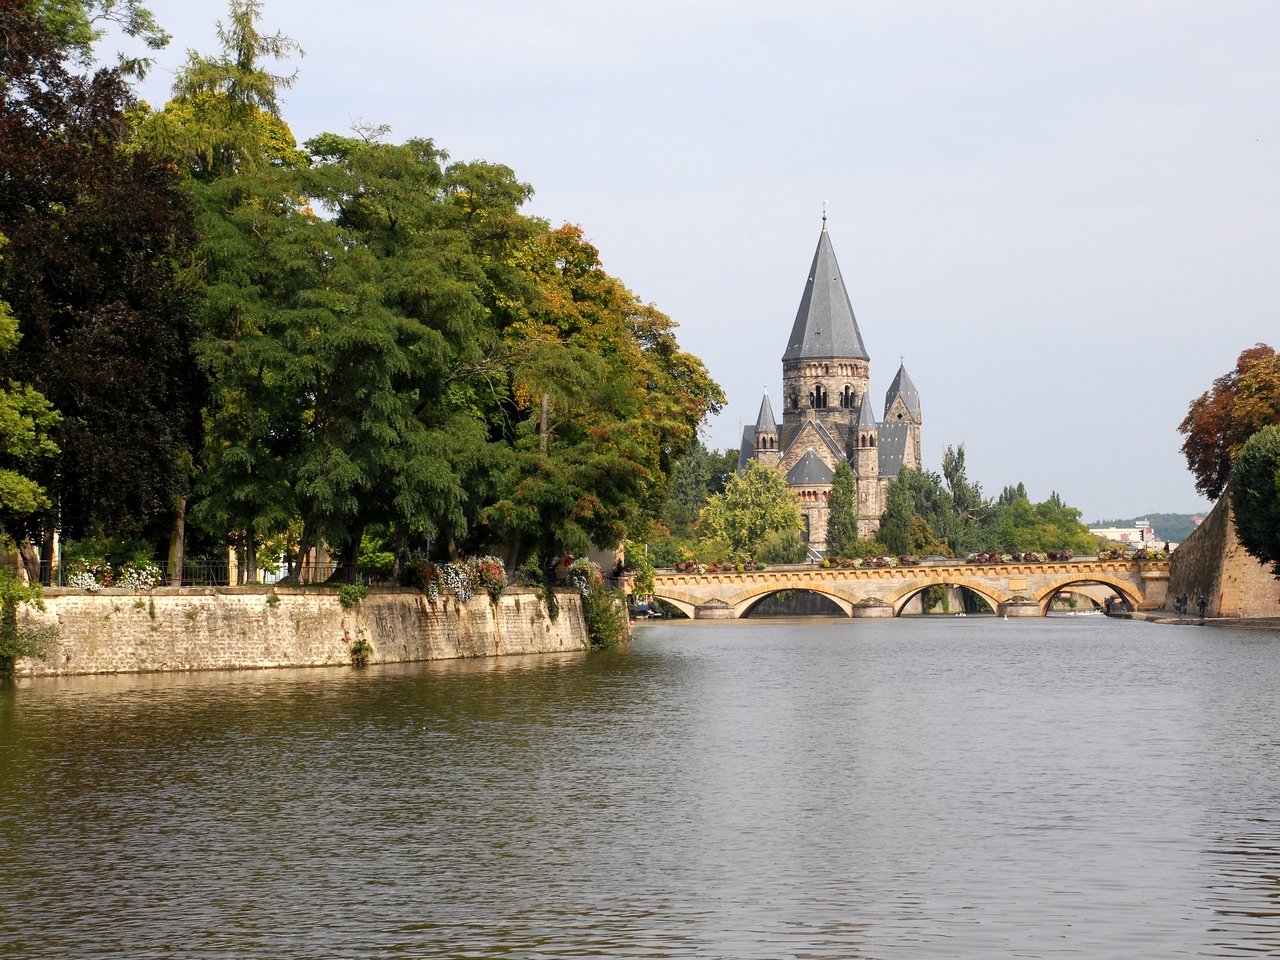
(605, 614)
(349, 594)
(360, 651)
(18, 642)
(783, 546)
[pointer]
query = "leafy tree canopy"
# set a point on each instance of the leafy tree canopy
(1239, 404)
(76, 25)
(752, 505)
(97, 232)
(26, 420)
(842, 516)
(1255, 496)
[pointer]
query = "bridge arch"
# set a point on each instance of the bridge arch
(681, 601)
(746, 599)
(904, 594)
(1130, 593)
(744, 608)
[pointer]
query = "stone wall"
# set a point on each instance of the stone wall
(212, 628)
(1212, 563)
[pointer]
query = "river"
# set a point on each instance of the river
(934, 787)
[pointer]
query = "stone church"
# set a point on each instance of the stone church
(828, 414)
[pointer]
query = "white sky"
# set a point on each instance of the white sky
(1063, 214)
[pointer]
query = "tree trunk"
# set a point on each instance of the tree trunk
(177, 544)
(31, 561)
(304, 547)
(48, 575)
(402, 550)
(542, 430)
(250, 557)
(346, 570)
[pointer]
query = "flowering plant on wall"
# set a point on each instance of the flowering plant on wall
(429, 579)
(490, 575)
(139, 575)
(463, 578)
(90, 573)
(584, 576)
(1117, 554)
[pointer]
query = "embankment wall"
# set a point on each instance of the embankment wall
(211, 628)
(1212, 563)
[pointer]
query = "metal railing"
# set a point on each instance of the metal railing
(221, 573)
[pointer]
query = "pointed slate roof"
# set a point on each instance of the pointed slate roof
(825, 325)
(747, 451)
(892, 443)
(810, 470)
(765, 422)
(902, 386)
(866, 419)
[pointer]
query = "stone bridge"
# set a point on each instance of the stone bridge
(1012, 589)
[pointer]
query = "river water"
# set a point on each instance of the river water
(937, 787)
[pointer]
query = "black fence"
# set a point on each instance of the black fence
(215, 573)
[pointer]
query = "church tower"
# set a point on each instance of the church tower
(825, 369)
(902, 406)
(866, 467)
(766, 438)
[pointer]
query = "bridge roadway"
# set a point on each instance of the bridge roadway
(1012, 589)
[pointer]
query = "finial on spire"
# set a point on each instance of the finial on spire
(824, 215)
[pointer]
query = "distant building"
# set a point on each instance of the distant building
(1140, 534)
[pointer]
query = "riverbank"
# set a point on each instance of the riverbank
(1271, 624)
(221, 628)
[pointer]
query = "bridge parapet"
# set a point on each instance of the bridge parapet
(1141, 582)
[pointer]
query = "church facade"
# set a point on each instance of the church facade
(828, 415)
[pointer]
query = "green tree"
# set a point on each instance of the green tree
(1050, 525)
(622, 402)
(1010, 495)
(76, 25)
(97, 230)
(752, 505)
(842, 518)
(916, 493)
(695, 477)
(1255, 496)
(26, 422)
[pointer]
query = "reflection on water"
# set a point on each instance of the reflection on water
(928, 788)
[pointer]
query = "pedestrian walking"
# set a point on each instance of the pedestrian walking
(1203, 604)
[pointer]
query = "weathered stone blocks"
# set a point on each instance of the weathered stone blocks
(210, 628)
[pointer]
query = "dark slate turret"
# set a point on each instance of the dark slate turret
(825, 325)
(903, 387)
(765, 422)
(866, 419)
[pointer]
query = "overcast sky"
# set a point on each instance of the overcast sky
(1063, 214)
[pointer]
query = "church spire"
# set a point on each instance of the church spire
(765, 422)
(904, 388)
(866, 418)
(825, 326)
